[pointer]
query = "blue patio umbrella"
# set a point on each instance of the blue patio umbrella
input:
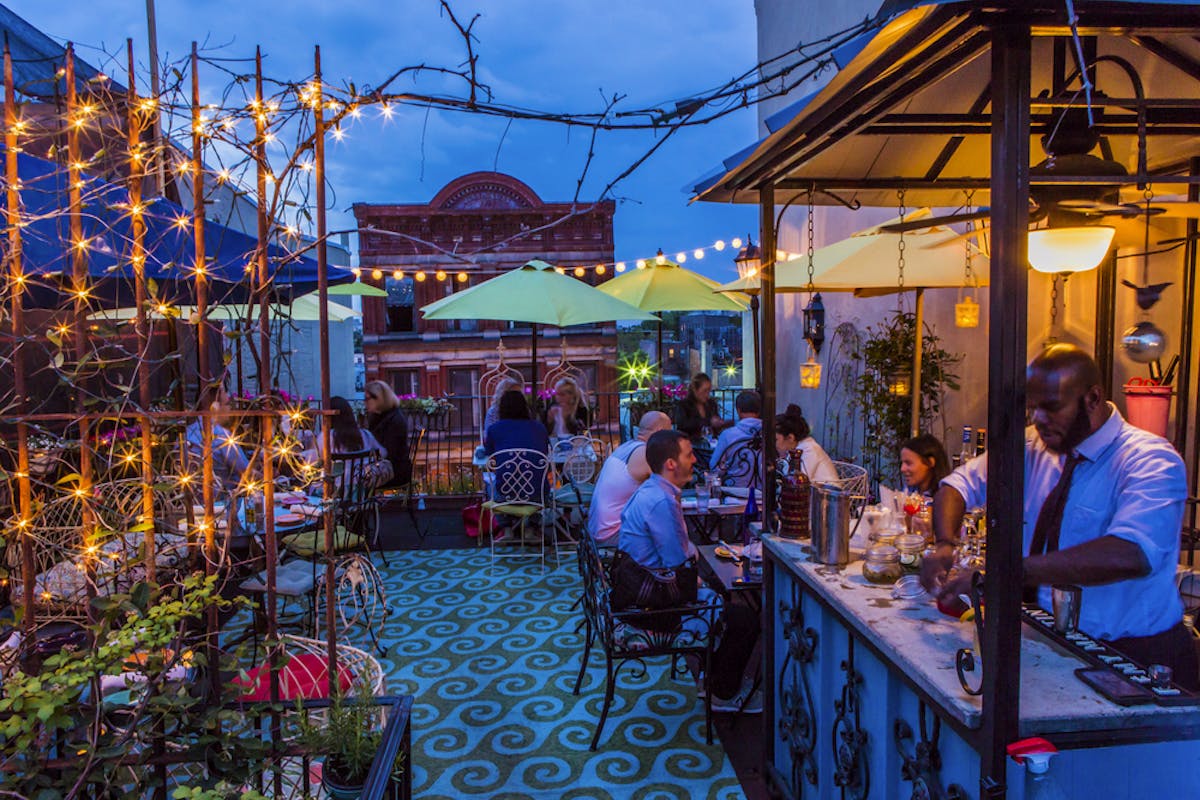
(107, 234)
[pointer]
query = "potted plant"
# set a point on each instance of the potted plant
(347, 734)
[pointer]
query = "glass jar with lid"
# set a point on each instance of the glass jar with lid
(910, 546)
(882, 564)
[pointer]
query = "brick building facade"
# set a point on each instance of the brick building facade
(479, 225)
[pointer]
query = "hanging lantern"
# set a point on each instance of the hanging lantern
(900, 383)
(814, 322)
(966, 313)
(810, 373)
(748, 260)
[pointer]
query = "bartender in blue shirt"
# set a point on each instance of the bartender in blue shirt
(1103, 510)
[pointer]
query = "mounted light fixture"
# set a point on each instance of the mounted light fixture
(814, 322)
(1075, 249)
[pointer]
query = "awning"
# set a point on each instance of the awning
(911, 108)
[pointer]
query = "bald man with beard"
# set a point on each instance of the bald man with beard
(1104, 504)
(623, 472)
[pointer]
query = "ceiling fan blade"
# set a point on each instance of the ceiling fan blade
(1106, 209)
(929, 222)
(978, 232)
(1177, 210)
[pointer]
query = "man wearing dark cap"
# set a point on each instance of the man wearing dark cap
(1103, 510)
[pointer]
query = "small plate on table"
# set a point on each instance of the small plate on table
(288, 519)
(721, 551)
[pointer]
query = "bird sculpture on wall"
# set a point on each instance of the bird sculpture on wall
(1147, 296)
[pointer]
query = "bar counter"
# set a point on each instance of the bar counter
(864, 700)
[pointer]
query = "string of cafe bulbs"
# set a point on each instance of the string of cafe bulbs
(681, 257)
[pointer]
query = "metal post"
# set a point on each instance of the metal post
(155, 91)
(1103, 336)
(1186, 316)
(766, 215)
(1008, 311)
(16, 277)
(918, 348)
(323, 297)
(757, 347)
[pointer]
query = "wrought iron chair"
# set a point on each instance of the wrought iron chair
(360, 601)
(740, 465)
(855, 480)
(411, 492)
(520, 488)
(624, 638)
(488, 383)
(573, 497)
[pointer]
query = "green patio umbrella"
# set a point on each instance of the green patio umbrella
(663, 285)
(538, 294)
(304, 308)
(357, 287)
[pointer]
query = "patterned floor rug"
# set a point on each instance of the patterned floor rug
(491, 654)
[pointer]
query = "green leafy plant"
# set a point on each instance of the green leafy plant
(887, 352)
(56, 702)
(347, 734)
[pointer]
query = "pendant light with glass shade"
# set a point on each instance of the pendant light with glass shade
(814, 318)
(966, 310)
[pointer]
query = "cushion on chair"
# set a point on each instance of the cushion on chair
(576, 494)
(304, 676)
(310, 543)
(512, 509)
(292, 579)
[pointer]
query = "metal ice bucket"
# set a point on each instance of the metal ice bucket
(831, 523)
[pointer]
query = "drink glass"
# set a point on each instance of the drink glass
(1065, 600)
(702, 495)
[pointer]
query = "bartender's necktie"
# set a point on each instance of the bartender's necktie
(1049, 520)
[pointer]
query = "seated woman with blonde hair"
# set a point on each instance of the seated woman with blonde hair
(569, 415)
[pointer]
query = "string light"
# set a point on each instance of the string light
(356, 272)
(377, 274)
(680, 258)
(600, 269)
(620, 266)
(735, 243)
(462, 277)
(398, 274)
(579, 272)
(698, 253)
(420, 276)
(440, 275)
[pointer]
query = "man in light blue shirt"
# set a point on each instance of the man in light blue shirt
(654, 535)
(1117, 530)
(736, 470)
(653, 532)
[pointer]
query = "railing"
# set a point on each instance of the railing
(443, 465)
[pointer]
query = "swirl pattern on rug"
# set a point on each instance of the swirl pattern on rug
(491, 654)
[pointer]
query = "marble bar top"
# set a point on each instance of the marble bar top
(921, 642)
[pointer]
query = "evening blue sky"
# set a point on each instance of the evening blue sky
(553, 56)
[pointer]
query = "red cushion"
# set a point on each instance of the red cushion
(305, 676)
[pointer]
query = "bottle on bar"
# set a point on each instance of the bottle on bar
(980, 441)
(966, 453)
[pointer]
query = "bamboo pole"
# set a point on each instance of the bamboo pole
(323, 324)
(80, 290)
(16, 275)
(138, 258)
(204, 375)
(264, 385)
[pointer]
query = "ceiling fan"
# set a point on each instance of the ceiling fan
(1068, 143)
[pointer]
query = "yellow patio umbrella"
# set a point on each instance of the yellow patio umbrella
(538, 294)
(866, 263)
(662, 285)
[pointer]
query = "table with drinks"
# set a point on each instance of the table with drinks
(874, 684)
(707, 505)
